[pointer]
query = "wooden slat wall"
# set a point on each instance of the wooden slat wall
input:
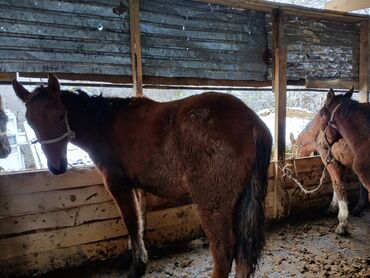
(179, 39)
(63, 36)
(189, 39)
(49, 222)
(319, 49)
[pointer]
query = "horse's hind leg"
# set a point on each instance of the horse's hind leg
(218, 227)
(362, 203)
(336, 174)
(128, 205)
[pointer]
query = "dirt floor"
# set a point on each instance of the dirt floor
(303, 249)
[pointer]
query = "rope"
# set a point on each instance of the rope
(329, 159)
(289, 173)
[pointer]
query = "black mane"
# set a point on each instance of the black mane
(94, 109)
(89, 109)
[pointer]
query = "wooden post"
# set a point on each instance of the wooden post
(279, 84)
(363, 70)
(136, 66)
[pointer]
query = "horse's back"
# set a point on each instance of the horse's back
(220, 116)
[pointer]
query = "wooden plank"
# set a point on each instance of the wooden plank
(136, 64)
(364, 61)
(279, 84)
(16, 183)
(82, 77)
(7, 76)
(347, 5)
(15, 225)
(41, 262)
(92, 232)
(44, 241)
(31, 203)
(334, 84)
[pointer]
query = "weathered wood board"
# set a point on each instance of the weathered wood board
(59, 221)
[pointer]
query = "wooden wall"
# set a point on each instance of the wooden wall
(179, 39)
(319, 49)
(63, 36)
(49, 222)
(189, 39)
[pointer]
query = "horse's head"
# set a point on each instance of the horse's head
(5, 148)
(328, 114)
(47, 116)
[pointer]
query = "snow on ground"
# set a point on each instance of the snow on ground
(293, 124)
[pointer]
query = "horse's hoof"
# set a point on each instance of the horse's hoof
(341, 230)
(137, 270)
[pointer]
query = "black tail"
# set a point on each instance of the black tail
(250, 220)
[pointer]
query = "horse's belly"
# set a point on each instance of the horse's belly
(167, 184)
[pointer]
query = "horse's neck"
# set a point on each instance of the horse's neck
(309, 135)
(81, 123)
(354, 129)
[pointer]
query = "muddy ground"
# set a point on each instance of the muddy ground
(293, 249)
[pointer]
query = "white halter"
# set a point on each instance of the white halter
(330, 123)
(69, 134)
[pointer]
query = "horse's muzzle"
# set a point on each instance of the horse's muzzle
(62, 167)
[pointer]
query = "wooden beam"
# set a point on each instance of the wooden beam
(333, 83)
(347, 5)
(7, 76)
(136, 65)
(279, 84)
(288, 9)
(364, 62)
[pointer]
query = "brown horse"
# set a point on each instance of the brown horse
(311, 140)
(210, 146)
(5, 148)
(342, 117)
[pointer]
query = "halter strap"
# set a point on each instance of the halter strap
(70, 134)
(330, 123)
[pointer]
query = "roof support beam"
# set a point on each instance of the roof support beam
(136, 65)
(279, 84)
(347, 5)
(364, 62)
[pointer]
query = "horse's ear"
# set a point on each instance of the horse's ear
(350, 92)
(292, 139)
(53, 84)
(21, 91)
(330, 95)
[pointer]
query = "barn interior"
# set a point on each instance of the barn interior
(151, 48)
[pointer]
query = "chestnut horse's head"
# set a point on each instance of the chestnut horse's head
(5, 148)
(328, 114)
(47, 116)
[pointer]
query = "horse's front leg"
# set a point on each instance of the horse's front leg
(128, 205)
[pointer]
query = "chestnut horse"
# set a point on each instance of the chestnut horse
(342, 117)
(211, 147)
(311, 140)
(5, 148)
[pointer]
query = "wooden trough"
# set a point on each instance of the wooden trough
(49, 222)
